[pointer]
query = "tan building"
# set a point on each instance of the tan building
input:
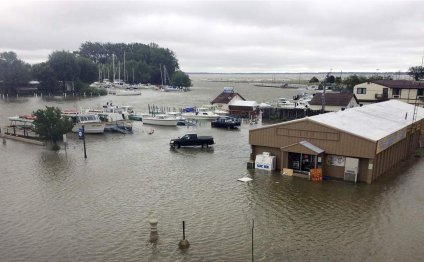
(381, 90)
(362, 142)
(333, 101)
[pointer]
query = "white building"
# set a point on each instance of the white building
(381, 90)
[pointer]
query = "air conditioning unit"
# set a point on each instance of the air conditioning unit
(350, 176)
(396, 96)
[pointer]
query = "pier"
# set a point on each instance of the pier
(286, 114)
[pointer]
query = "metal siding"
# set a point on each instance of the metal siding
(346, 144)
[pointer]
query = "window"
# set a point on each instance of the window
(396, 91)
(361, 90)
(420, 92)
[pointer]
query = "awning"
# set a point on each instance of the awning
(303, 147)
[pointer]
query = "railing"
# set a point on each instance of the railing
(381, 96)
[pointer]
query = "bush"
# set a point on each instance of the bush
(88, 90)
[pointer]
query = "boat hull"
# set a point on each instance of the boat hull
(90, 128)
(160, 122)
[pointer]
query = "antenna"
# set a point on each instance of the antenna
(323, 93)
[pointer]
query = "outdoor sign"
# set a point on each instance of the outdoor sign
(81, 133)
(336, 160)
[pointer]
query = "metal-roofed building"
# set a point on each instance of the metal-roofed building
(366, 141)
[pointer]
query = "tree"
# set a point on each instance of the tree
(330, 79)
(47, 77)
(88, 71)
(13, 72)
(352, 81)
(179, 78)
(64, 65)
(314, 80)
(417, 72)
(50, 125)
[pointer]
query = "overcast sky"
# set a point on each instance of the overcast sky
(229, 36)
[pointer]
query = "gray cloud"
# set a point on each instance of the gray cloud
(229, 36)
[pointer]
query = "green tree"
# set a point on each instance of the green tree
(145, 60)
(47, 77)
(179, 78)
(330, 79)
(64, 65)
(352, 81)
(417, 72)
(88, 71)
(13, 72)
(50, 125)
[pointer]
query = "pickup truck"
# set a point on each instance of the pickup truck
(192, 140)
(226, 122)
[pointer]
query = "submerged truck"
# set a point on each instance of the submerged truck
(192, 140)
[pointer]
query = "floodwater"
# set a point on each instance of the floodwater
(58, 206)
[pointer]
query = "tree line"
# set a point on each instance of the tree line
(92, 62)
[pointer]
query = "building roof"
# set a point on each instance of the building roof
(333, 99)
(311, 146)
(244, 103)
(404, 84)
(225, 98)
(374, 121)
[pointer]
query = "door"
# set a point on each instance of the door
(351, 169)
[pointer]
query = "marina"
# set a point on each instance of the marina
(60, 206)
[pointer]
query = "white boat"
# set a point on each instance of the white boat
(24, 121)
(160, 120)
(127, 93)
(283, 102)
(91, 122)
(214, 109)
(201, 113)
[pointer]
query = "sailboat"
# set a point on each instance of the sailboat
(165, 78)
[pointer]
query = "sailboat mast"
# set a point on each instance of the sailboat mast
(161, 75)
(113, 67)
(99, 73)
(124, 68)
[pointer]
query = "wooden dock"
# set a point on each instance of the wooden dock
(286, 114)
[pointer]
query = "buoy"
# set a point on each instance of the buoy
(151, 131)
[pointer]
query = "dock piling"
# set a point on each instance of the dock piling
(184, 244)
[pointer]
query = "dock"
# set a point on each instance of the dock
(286, 114)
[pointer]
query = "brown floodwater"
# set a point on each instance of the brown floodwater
(58, 206)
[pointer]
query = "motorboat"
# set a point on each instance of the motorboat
(201, 113)
(167, 88)
(115, 118)
(127, 93)
(160, 120)
(283, 102)
(214, 109)
(90, 121)
(182, 121)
